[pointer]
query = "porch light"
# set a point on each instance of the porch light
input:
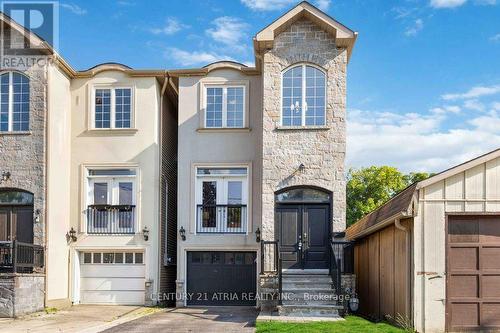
(72, 235)
(354, 304)
(145, 233)
(257, 235)
(37, 215)
(302, 167)
(182, 233)
(5, 176)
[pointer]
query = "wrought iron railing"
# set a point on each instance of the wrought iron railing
(271, 262)
(230, 219)
(21, 257)
(111, 219)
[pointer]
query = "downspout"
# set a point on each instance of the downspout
(398, 225)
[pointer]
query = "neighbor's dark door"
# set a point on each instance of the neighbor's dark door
(16, 223)
(303, 234)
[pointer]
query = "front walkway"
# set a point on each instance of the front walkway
(77, 319)
(183, 320)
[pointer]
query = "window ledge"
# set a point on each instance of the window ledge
(307, 128)
(224, 130)
(16, 133)
(112, 132)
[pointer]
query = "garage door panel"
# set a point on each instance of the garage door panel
(464, 258)
(116, 297)
(491, 314)
(101, 270)
(464, 286)
(490, 258)
(465, 314)
(489, 231)
(491, 286)
(117, 283)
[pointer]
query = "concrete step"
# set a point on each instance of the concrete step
(310, 310)
(310, 278)
(305, 272)
(306, 285)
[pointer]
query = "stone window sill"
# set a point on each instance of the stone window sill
(224, 130)
(112, 132)
(306, 128)
(15, 133)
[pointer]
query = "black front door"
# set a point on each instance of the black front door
(303, 234)
(16, 223)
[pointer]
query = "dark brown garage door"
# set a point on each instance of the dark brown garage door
(221, 278)
(473, 279)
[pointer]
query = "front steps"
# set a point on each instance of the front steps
(308, 293)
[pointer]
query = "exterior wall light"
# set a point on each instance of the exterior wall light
(257, 235)
(354, 304)
(37, 216)
(71, 235)
(5, 176)
(182, 233)
(145, 233)
(302, 167)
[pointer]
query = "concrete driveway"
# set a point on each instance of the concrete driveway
(76, 319)
(182, 320)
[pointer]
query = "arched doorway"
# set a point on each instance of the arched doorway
(16, 216)
(302, 226)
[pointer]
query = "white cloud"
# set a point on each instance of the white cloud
(171, 26)
(228, 30)
(447, 3)
(474, 92)
(486, 2)
(186, 58)
(323, 4)
(415, 28)
(75, 9)
(415, 142)
(495, 38)
(446, 109)
(495, 106)
(474, 104)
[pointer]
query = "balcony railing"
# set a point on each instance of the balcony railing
(108, 219)
(218, 219)
(21, 257)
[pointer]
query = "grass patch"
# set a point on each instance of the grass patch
(50, 310)
(350, 324)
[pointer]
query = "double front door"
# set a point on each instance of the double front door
(303, 234)
(16, 223)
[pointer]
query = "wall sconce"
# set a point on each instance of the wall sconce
(302, 167)
(37, 216)
(257, 235)
(145, 233)
(71, 235)
(5, 176)
(182, 233)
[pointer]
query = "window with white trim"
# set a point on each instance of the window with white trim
(111, 201)
(224, 106)
(221, 200)
(112, 108)
(14, 102)
(303, 96)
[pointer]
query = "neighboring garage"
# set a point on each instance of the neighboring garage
(112, 277)
(219, 278)
(431, 254)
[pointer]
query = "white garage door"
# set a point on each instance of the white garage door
(112, 278)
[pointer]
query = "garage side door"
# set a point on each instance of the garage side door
(221, 278)
(112, 278)
(473, 278)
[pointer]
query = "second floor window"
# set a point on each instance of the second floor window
(112, 108)
(221, 200)
(225, 107)
(111, 201)
(14, 102)
(303, 96)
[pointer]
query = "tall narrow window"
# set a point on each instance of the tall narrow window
(225, 107)
(14, 102)
(112, 108)
(303, 97)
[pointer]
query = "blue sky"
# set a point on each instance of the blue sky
(423, 81)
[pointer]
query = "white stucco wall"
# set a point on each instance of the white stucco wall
(476, 190)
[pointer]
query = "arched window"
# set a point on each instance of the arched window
(14, 102)
(15, 197)
(302, 194)
(303, 96)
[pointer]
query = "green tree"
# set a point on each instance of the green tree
(369, 188)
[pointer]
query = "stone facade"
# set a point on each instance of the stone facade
(21, 294)
(320, 149)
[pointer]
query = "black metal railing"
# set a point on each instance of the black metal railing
(271, 262)
(111, 219)
(341, 262)
(20, 257)
(230, 219)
